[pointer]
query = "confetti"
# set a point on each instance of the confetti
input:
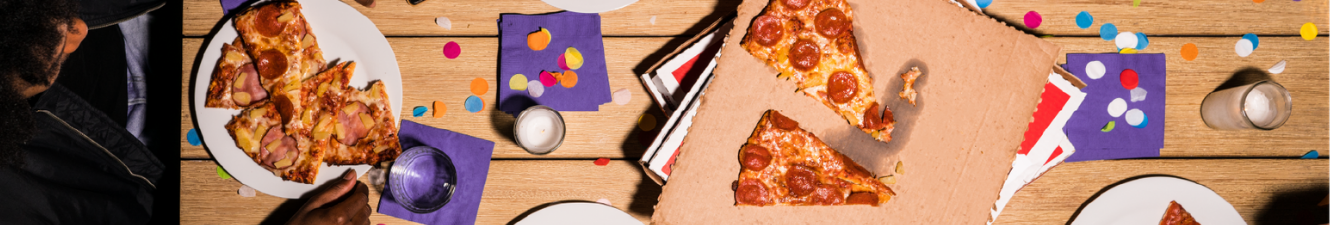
(1258, 1)
(193, 137)
(1189, 51)
(479, 86)
(1308, 31)
(1108, 127)
(602, 161)
(1127, 51)
(246, 191)
(622, 96)
(535, 89)
(418, 111)
(1095, 69)
(1142, 41)
(539, 40)
(1084, 20)
(1136, 118)
(1255, 41)
(547, 79)
(1129, 79)
(1107, 31)
(563, 63)
(573, 57)
(603, 201)
(474, 104)
(1138, 94)
(569, 79)
(1032, 19)
(1135, 3)
(439, 109)
(646, 122)
(653, 20)
(451, 50)
(444, 22)
(1125, 40)
(1243, 47)
(983, 3)
(1311, 155)
(1278, 67)
(517, 82)
(222, 173)
(1117, 107)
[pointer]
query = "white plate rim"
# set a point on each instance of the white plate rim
(1144, 200)
(578, 213)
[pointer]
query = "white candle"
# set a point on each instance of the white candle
(539, 129)
(1258, 107)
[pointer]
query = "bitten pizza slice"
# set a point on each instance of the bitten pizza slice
(1176, 215)
(235, 82)
(365, 129)
(813, 43)
(281, 43)
(783, 164)
(258, 131)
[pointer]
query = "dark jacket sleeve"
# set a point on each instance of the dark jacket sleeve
(102, 13)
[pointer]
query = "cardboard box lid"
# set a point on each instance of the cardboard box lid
(981, 83)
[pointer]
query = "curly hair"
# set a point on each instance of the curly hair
(32, 32)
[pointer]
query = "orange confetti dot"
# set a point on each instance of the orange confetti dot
(538, 40)
(479, 86)
(569, 79)
(1189, 51)
(1258, 1)
(439, 109)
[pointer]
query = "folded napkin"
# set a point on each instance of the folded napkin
(1084, 129)
(471, 157)
(567, 29)
(228, 5)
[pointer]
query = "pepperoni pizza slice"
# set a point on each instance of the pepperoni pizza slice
(259, 132)
(281, 43)
(235, 82)
(812, 42)
(783, 164)
(1176, 215)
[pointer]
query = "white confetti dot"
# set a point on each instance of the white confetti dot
(1135, 117)
(1279, 67)
(1126, 40)
(246, 191)
(1116, 107)
(535, 88)
(444, 22)
(653, 20)
(1243, 48)
(604, 201)
(1138, 94)
(622, 96)
(1095, 69)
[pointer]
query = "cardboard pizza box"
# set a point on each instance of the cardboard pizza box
(982, 81)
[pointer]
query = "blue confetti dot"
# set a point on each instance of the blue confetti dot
(984, 3)
(1108, 31)
(473, 104)
(1145, 120)
(1084, 20)
(1255, 42)
(1311, 155)
(1141, 41)
(418, 111)
(193, 137)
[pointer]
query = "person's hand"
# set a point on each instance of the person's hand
(341, 201)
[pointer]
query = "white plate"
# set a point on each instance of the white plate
(590, 6)
(1143, 201)
(578, 213)
(344, 35)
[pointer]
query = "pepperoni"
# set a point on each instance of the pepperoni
(266, 22)
(887, 117)
(767, 30)
(826, 195)
(832, 23)
(272, 64)
(800, 180)
(783, 122)
(871, 121)
(285, 108)
(756, 157)
(795, 4)
(751, 192)
(842, 87)
(804, 55)
(862, 198)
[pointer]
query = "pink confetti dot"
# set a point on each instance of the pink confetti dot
(563, 63)
(451, 50)
(1032, 20)
(547, 79)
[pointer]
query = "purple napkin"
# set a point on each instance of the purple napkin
(228, 5)
(1124, 140)
(568, 29)
(471, 157)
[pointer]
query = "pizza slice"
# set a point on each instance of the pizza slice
(235, 82)
(813, 43)
(1176, 215)
(785, 165)
(258, 131)
(365, 129)
(281, 43)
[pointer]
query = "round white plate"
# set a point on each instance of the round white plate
(1143, 201)
(578, 213)
(589, 6)
(344, 35)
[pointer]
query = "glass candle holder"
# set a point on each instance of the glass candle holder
(539, 129)
(1263, 105)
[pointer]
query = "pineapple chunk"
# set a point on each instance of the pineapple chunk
(380, 148)
(285, 162)
(286, 17)
(305, 118)
(243, 137)
(234, 57)
(274, 144)
(241, 97)
(240, 81)
(307, 41)
(322, 88)
(258, 112)
(366, 120)
(321, 130)
(339, 129)
(351, 108)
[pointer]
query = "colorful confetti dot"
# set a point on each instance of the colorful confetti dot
(1255, 41)
(1278, 67)
(1136, 118)
(1243, 47)
(1135, 3)
(1258, 1)
(1108, 31)
(1308, 31)
(246, 191)
(439, 109)
(1125, 40)
(444, 22)
(568, 79)
(646, 122)
(535, 89)
(603, 201)
(1108, 127)
(983, 3)
(1117, 107)
(653, 20)
(479, 86)
(193, 137)
(1129, 79)
(539, 40)
(1311, 155)
(418, 111)
(1032, 19)
(1095, 69)
(563, 62)
(547, 79)
(1127, 51)
(1138, 94)
(474, 104)
(573, 58)
(1189, 51)
(622, 96)
(451, 50)
(517, 82)
(1084, 20)
(222, 173)
(602, 161)
(1142, 41)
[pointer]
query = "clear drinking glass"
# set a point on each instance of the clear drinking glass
(1264, 105)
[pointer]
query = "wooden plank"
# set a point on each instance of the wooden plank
(1173, 18)
(478, 18)
(512, 188)
(1253, 186)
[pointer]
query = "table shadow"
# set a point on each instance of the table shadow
(1298, 206)
(1244, 76)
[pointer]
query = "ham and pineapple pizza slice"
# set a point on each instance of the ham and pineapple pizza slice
(235, 82)
(366, 130)
(812, 42)
(784, 165)
(259, 133)
(281, 43)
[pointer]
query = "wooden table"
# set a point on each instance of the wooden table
(1256, 171)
